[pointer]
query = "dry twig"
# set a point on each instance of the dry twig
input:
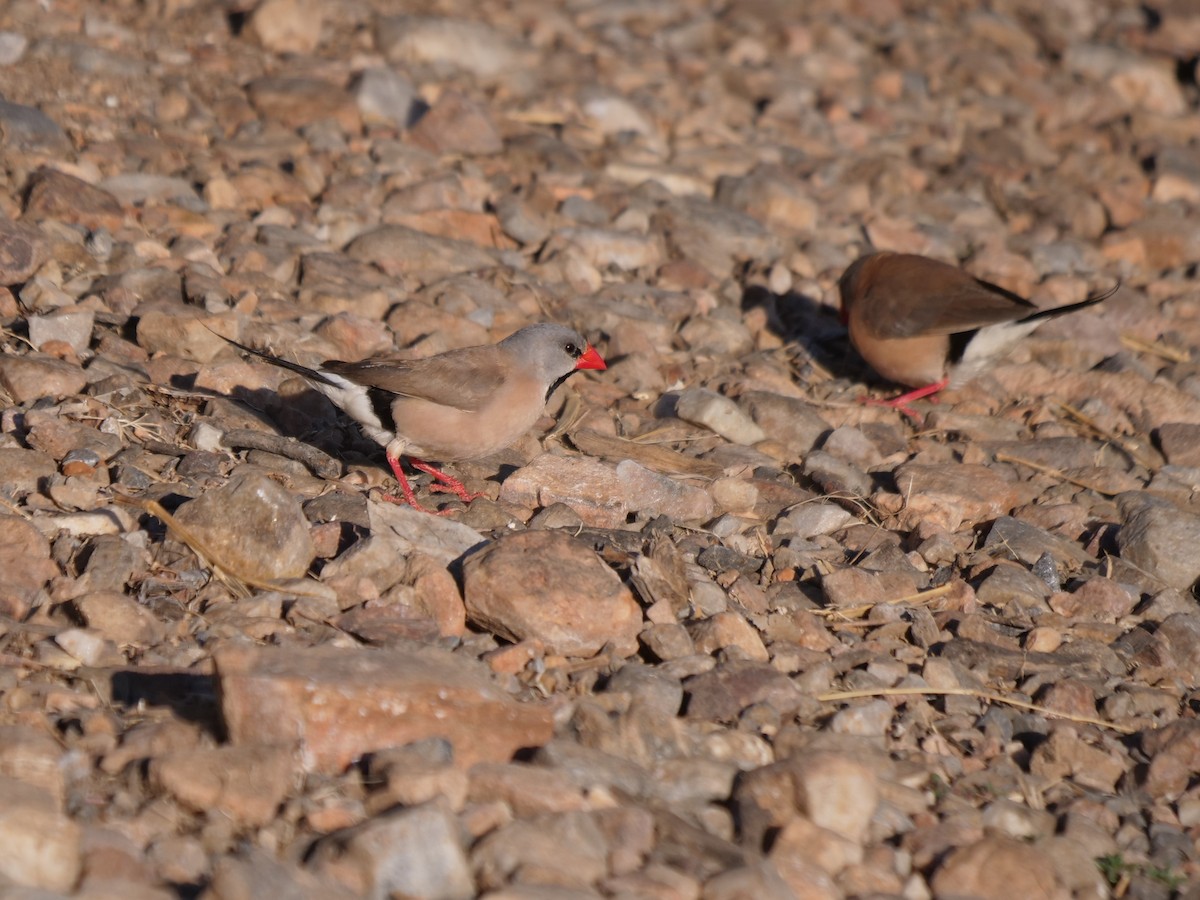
(317, 461)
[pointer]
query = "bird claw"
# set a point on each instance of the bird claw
(405, 501)
(458, 489)
(900, 404)
(897, 404)
(443, 483)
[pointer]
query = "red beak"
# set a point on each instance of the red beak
(590, 359)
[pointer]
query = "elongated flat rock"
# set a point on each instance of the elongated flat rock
(341, 703)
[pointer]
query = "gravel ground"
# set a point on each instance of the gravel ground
(716, 628)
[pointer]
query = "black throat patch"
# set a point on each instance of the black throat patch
(554, 387)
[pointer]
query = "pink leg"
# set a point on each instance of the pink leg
(406, 489)
(900, 404)
(448, 484)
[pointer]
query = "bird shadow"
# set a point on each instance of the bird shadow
(307, 416)
(804, 321)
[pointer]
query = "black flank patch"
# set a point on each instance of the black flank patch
(381, 403)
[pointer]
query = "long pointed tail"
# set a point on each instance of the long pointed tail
(310, 374)
(1091, 300)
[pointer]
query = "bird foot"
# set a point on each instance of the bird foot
(458, 489)
(900, 404)
(445, 484)
(409, 497)
(405, 501)
(897, 404)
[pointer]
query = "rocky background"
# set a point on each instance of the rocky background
(717, 630)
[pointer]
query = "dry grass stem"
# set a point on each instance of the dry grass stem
(238, 581)
(1127, 446)
(834, 696)
(857, 612)
(1054, 473)
(1157, 348)
(660, 459)
(572, 414)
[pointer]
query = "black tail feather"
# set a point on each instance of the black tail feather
(1091, 300)
(310, 374)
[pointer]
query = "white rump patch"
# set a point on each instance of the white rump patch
(990, 343)
(353, 400)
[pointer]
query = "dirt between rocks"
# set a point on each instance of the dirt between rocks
(716, 629)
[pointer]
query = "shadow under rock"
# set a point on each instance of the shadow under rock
(190, 695)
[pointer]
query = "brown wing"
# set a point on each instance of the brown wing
(464, 379)
(934, 298)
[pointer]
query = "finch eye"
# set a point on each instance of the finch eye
(572, 350)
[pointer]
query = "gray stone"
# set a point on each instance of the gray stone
(772, 196)
(1181, 631)
(789, 420)
(12, 47)
(852, 446)
(834, 476)
(1014, 538)
(407, 530)
(1160, 539)
(40, 294)
(413, 852)
(1008, 584)
(811, 519)
(607, 248)
(449, 45)
(70, 325)
(385, 95)
(568, 846)
(254, 527)
(29, 129)
(716, 237)
(399, 250)
(654, 494)
(257, 873)
(718, 413)
(520, 221)
(138, 188)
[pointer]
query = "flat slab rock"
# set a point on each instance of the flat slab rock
(604, 495)
(341, 703)
(951, 496)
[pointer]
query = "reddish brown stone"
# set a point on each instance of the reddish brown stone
(57, 195)
(339, 704)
